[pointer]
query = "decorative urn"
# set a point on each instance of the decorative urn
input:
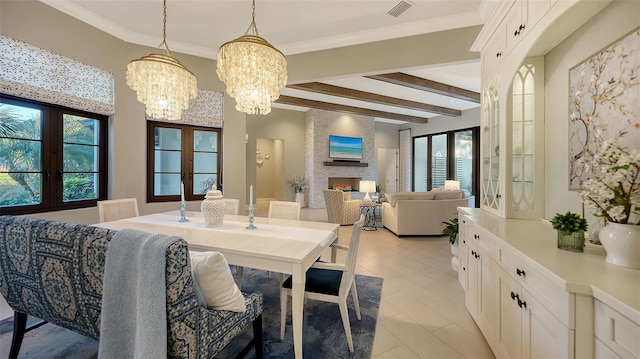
(212, 208)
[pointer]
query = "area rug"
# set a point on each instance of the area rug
(323, 333)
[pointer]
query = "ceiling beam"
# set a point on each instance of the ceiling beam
(352, 94)
(418, 83)
(296, 101)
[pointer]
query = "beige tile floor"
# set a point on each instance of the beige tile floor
(422, 312)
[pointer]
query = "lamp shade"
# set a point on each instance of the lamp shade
(367, 186)
(451, 185)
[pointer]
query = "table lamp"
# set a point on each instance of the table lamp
(366, 187)
(452, 185)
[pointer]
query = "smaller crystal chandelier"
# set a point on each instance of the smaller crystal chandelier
(253, 70)
(161, 82)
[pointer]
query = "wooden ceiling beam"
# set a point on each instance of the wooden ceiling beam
(296, 101)
(352, 94)
(418, 83)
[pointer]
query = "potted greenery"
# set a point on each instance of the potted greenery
(451, 230)
(571, 228)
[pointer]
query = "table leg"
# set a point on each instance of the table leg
(297, 308)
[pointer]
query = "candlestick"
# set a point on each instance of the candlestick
(251, 226)
(183, 212)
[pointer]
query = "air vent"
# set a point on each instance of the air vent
(400, 8)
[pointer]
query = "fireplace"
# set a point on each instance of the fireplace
(345, 183)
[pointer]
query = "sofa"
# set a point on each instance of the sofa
(422, 213)
(54, 271)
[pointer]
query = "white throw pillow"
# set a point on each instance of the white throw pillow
(214, 284)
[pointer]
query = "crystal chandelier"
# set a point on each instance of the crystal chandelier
(253, 70)
(161, 82)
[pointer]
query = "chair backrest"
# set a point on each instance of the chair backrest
(352, 254)
(232, 206)
(284, 210)
(115, 209)
(333, 201)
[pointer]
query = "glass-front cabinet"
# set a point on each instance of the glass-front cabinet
(525, 180)
(491, 191)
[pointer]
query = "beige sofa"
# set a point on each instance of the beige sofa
(422, 213)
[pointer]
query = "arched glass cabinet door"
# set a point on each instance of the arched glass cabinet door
(491, 191)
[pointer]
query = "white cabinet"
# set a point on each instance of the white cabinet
(491, 184)
(463, 270)
(479, 297)
(525, 328)
(615, 333)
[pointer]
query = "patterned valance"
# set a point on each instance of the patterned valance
(37, 74)
(206, 110)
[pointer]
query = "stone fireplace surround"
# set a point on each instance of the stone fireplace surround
(319, 125)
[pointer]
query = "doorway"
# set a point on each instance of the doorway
(269, 171)
(388, 169)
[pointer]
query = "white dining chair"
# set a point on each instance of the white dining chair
(232, 206)
(284, 210)
(115, 209)
(330, 282)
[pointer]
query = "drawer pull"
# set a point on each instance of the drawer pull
(520, 272)
(522, 304)
(476, 255)
(514, 296)
(476, 236)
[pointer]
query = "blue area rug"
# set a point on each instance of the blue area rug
(323, 333)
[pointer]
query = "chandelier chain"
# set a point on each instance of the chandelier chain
(164, 28)
(253, 25)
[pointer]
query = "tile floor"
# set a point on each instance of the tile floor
(422, 312)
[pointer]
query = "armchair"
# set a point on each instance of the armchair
(340, 208)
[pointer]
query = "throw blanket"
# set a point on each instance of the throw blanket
(133, 322)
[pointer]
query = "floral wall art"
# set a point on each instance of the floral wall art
(604, 102)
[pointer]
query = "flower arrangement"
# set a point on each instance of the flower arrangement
(298, 183)
(614, 192)
(569, 223)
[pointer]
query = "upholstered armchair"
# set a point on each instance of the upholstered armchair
(341, 208)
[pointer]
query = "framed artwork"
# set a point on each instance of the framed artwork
(604, 102)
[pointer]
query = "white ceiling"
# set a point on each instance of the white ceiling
(199, 27)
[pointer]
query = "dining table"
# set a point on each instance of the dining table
(277, 245)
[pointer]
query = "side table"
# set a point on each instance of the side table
(369, 211)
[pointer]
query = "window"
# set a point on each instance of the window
(51, 158)
(178, 153)
(442, 156)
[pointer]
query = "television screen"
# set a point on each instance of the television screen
(348, 148)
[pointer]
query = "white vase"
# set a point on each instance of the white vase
(622, 243)
(212, 208)
(300, 198)
(455, 259)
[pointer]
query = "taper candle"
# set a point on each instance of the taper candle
(181, 191)
(251, 195)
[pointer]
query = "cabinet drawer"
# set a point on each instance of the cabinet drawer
(482, 238)
(619, 333)
(552, 297)
(494, 52)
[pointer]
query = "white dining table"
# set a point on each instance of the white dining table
(278, 245)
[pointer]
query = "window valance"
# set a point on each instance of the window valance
(206, 110)
(37, 74)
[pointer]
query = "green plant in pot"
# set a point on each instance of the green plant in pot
(571, 228)
(451, 230)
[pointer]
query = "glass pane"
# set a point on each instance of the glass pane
(420, 164)
(78, 129)
(464, 158)
(79, 186)
(20, 155)
(205, 162)
(168, 138)
(20, 122)
(438, 160)
(167, 161)
(205, 141)
(80, 158)
(166, 184)
(203, 182)
(17, 189)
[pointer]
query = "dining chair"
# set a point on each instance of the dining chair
(284, 210)
(115, 209)
(232, 206)
(330, 282)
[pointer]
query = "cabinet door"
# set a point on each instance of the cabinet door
(471, 295)
(463, 271)
(508, 341)
(490, 196)
(544, 336)
(486, 293)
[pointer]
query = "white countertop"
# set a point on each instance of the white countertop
(582, 273)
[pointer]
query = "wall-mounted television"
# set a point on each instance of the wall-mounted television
(345, 148)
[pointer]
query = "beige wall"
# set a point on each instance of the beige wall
(612, 23)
